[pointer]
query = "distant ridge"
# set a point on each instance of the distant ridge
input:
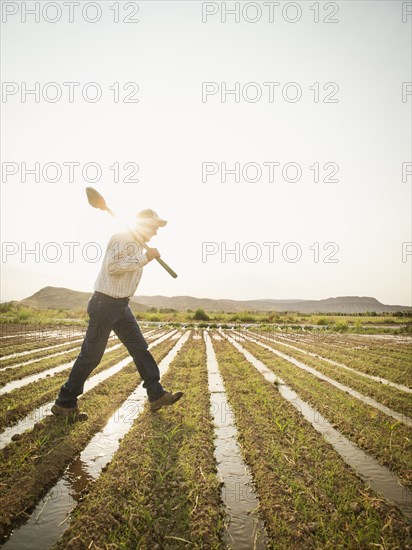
(342, 304)
(64, 298)
(51, 297)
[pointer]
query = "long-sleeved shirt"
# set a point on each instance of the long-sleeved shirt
(122, 267)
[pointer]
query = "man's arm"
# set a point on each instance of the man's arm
(125, 256)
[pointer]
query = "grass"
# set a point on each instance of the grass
(35, 349)
(16, 373)
(309, 497)
(386, 439)
(16, 314)
(389, 396)
(19, 402)
(30, 465)
(160, 491)
(397, 367)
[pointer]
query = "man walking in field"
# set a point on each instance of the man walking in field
(108, 310)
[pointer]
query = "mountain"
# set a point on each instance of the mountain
(64, 298)
(346, 304)
(209, 304)
(342, 304)
(51, 297)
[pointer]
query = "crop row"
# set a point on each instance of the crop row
(160, 490)
(48, 362)
(385, 394)
(17, 403)
(372, 430)
(34, 348)
(32, 463)
(394, 369)
(309, 496)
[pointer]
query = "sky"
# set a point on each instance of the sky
(275, 140)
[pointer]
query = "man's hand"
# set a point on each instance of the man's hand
(152, 253)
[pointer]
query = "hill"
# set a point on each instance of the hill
(342, 304)
(64, 298)
(51, 297)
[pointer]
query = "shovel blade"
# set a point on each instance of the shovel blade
(95, 199)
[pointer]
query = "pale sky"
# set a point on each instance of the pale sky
(169, 53)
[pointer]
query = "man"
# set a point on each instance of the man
(108, 310)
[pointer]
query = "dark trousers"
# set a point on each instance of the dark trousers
(107, 314)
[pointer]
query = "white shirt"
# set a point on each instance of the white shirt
(122, 267)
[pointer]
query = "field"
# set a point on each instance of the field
(17, 318)
(282, 440)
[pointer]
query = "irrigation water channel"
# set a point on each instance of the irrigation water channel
(38, 414)
(245, 530)
(14, 384)
(36, 350)
(30, 361)
(378, 477)
(384, 381)
(49, 519)
(35, 335)
(364, 398)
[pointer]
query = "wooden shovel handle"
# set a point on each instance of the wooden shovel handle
(140, 241)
